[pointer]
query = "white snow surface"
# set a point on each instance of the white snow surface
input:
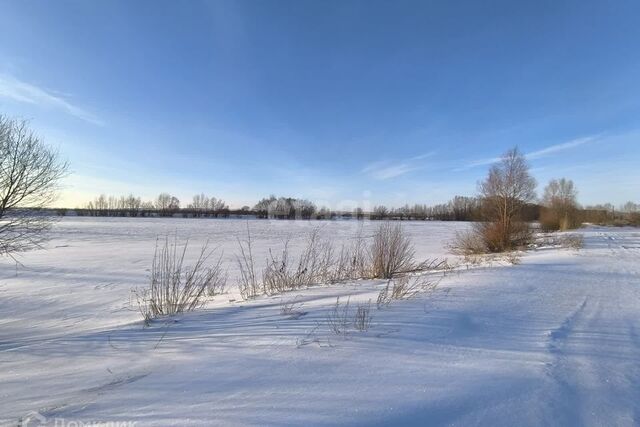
(554, 340)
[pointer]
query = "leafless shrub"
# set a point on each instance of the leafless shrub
(468, 242)
(433, 265)
(175, 288)
(248, 284)
(404, 287)
(362, 317)
(338, 318)
(408, 286)
(391, 251)
(518, 234)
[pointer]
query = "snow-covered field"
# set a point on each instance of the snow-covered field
(554, 340)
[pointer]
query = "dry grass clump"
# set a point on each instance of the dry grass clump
(513, 257)
(292, 308)
(569, 241)
(362, 317)
(338, 318)
(248, 284)
(573, 241)
(176, 288)
(352, 261)
(313, 267)
(387, 254)
(341, 320)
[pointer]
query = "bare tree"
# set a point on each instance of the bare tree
(167, 204)
(217, 205)
(632, 212)
(380, 212)
(162, 201)
(505, 192)
(30, 172)
(630, 207)
(561, 206)
(133, 204)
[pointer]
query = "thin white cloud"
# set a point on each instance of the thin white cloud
(560, 147)
(392, 171)
(552, 149)
(27, 93)
(383, 170)
(481, 162)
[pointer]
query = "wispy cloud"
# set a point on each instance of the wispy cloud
(383, 170)
(561, 147)
(552, 149)
(20, 91)
(480, 162)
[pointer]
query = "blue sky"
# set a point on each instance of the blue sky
(335, 101)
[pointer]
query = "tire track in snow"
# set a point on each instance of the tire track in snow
(565, 404)
(593, 372)
(559, 336)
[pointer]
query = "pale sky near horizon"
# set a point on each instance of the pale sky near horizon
(339, 102)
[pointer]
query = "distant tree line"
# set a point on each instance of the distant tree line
(557, 209)
(284, 208)
(459, 208)
(607, 214)
(165, 205)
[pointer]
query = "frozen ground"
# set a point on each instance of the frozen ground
(554, 340)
